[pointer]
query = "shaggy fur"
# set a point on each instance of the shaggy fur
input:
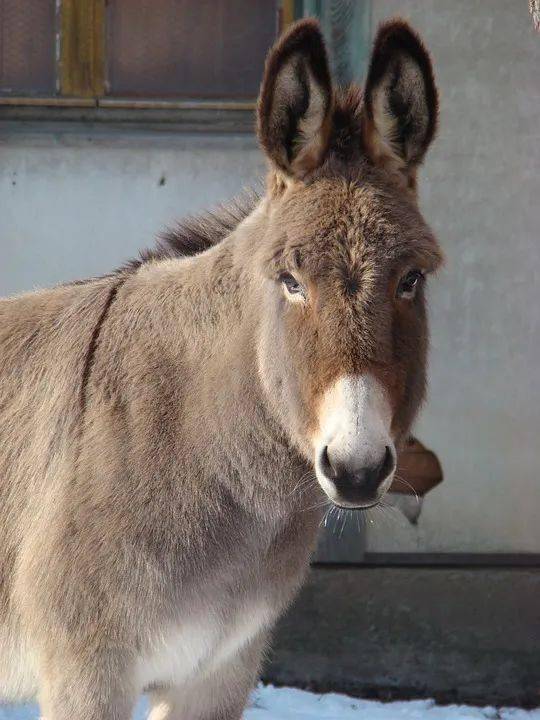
(196, 234)
(159, 505)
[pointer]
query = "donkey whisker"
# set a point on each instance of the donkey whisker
(316, 506)
(408, 484)
(303, 483)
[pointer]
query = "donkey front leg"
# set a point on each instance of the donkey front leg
(175, 704)
(221, 694)
(97, 688)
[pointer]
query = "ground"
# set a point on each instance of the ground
(269, 703)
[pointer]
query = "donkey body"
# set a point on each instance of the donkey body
(169, 434)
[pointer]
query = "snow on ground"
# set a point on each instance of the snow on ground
(270, 703)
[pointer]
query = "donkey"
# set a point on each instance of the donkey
(170, 433)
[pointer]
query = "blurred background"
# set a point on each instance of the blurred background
(117, 117)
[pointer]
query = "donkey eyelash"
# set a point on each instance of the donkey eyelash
(292, 285)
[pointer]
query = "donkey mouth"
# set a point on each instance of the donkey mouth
(357, 507)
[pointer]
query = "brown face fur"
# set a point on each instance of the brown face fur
(349, 243)
(345, 225)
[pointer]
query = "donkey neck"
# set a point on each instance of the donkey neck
(210, 330)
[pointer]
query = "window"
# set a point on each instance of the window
(27, 47)
(93, 52)
(172, 48)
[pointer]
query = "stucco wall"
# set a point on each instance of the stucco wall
(74, 204)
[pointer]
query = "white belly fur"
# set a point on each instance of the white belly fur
(201, 644)
(18, 677)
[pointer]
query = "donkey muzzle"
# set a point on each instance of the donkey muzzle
(355, 457)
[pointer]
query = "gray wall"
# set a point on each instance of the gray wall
(74, 204)
(78, 202)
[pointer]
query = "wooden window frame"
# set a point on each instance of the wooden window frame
(81, 50)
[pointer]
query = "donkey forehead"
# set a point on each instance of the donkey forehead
(338, 222)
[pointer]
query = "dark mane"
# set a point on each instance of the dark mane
(195, 234)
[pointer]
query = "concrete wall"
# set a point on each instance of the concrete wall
(77, 203)
(481, 192)
(453, 634)
(80, 201)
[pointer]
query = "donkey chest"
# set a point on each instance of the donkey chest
(212, 631)
(202, 642)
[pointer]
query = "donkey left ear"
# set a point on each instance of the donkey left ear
(400, 100)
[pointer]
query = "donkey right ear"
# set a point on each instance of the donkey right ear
(295, 101)
(400, 100)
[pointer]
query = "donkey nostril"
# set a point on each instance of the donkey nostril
(388, 464)
(377, 474)
(326, 465)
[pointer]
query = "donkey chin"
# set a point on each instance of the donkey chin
(355, 456)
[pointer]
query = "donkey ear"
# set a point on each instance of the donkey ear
(295, 101)
(400, 100)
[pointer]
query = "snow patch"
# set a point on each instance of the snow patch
(270, 703)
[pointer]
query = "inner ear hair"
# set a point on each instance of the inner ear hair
(295, 102)
(400, 100)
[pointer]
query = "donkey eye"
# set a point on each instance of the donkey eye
(291, 284)
(408, 284)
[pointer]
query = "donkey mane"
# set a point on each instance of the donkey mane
(197, 233)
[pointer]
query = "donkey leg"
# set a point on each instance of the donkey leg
(221, 694)
(179, 703)
(92, 690)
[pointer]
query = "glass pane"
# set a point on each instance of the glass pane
(27, 47)
(188, 48)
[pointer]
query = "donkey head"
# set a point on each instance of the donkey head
(345, 255)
